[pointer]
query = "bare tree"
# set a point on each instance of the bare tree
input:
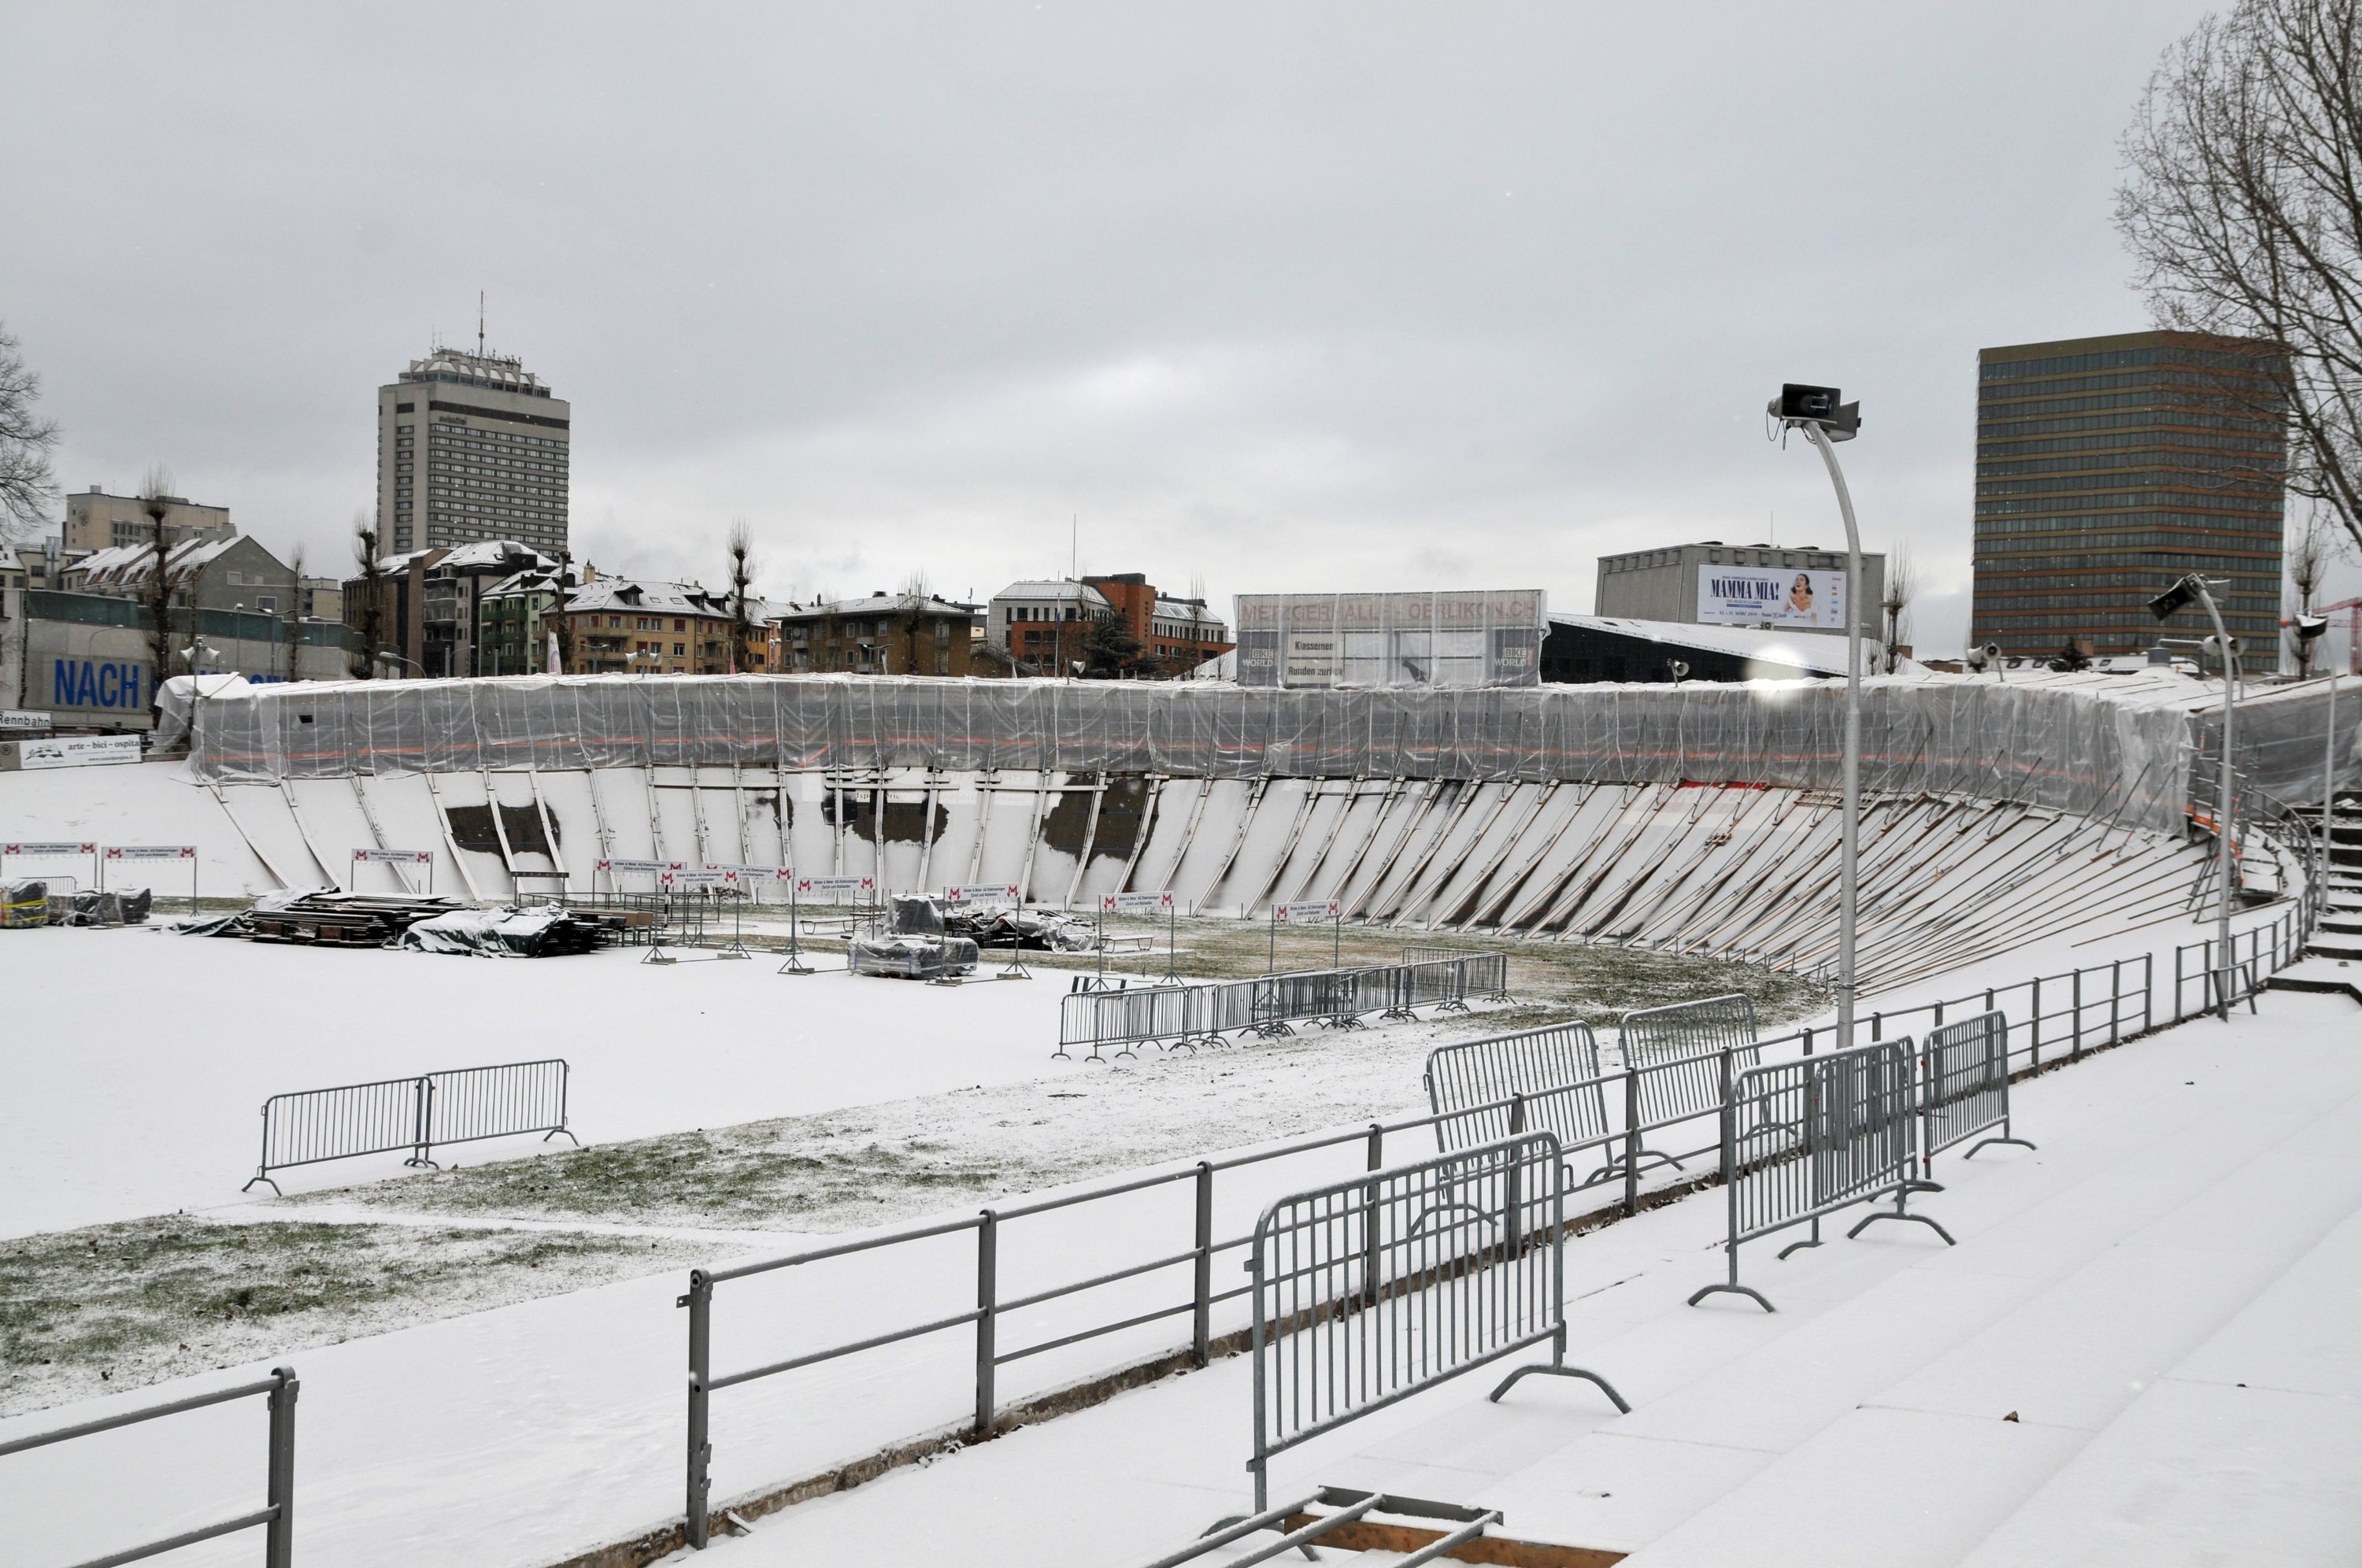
(2313, 549)
(372, 595)
(1901, 586)
(741, 576)
(156, 501)
(27, 487)
(2244, 211)
(294, 619)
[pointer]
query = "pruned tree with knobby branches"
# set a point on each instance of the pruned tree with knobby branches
(372, 606)
(741, 546)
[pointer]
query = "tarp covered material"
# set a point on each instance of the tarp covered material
(485, 933)
(182, 693)
(2115, 746)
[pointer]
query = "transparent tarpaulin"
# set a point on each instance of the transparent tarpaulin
(1323, 640)
(2075, 748)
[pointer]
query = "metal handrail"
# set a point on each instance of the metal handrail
(278, 1512)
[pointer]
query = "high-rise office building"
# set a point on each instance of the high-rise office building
(470, 448)
(2108, 467)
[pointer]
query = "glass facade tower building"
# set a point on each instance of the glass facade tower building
(2106, 468)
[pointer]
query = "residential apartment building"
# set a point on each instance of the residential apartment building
(1043, 626)
(1040, 624)
(98, 521)
(230, 572)
(425, 606)
(2109, 467)
(514, 624)
(896, 634)
(471, 448)
(617, 626)
(1175, 634)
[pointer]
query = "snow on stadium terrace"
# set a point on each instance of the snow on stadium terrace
(2136, 1349)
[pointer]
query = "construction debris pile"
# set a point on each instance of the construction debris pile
(26, 904)
(915, 945)
(327, 917)
(1035, 930)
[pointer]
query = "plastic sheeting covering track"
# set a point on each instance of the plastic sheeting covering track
(2119, 750)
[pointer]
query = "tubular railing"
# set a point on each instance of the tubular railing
(1370, 1290)
(1190, 1016)
(1615, 1117)
(277, 1516)
(461, 1105)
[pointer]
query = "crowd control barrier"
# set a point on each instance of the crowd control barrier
(2047, 1020)
(1803, 1139)
(413, 1115)
(1186, 1017)
(1964, 1086)
(1363, 1297)
(277, 1515)
(1685, 1039)
(1547, 1080)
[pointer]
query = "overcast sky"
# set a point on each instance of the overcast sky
(1269, 297)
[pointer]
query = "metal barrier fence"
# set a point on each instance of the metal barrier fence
(1364, 1294)
(277, 1516)
(1482, 1090)
(1803, 1139)
(1488, 975)
(1964, 1086)
(1685, 1038)
(461, 1105)
(1185, 1016)
(2048, 1018)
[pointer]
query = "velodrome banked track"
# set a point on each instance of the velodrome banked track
(1700, 820)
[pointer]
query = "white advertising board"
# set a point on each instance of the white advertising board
(1315, 912)
(835, 887)
(151, 852)
(1135, 903)
(630, 868)
(77, 751)
(1783, 596)
(20, 721)
(28, 850)
(393, 857)
(998, 893)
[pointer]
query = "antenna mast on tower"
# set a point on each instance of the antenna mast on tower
(479, 323)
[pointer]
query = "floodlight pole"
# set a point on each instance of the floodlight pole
(1849, 819)
(2222, 811)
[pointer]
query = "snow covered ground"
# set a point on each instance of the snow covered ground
(139, 1061)
(2185, 1229)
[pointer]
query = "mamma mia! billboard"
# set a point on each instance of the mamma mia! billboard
(1781, 596)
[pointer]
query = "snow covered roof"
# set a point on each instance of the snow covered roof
(490, 553)
(1185, 610)
(133, 563)
(628, 593)
(876, 603)
(1056, 591)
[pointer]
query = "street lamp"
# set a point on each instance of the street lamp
(2307, 630)
(1816, 411)
(2192, 586)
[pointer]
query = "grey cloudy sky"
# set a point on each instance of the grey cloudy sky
(1292, 297)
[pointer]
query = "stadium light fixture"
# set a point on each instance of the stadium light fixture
(2191, 588)
(1824, 418)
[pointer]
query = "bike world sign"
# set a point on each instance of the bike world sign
(1781, 596)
